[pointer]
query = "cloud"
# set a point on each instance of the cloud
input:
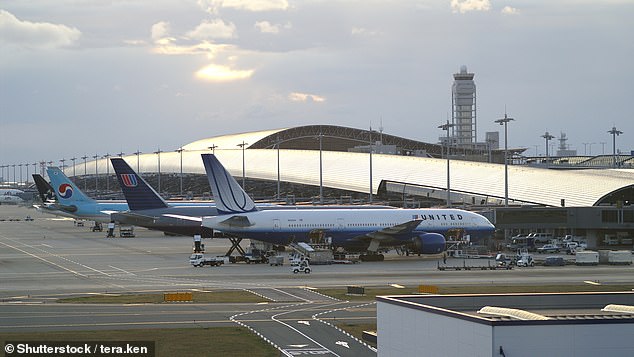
(507, 10)
(35, 34)
(208, 30)
(202, 35)
(463, 6)
(160, 30)
(363, 31)
(267, 27)
(212, 6)
(167, 45)
(305, 97)
(217, 73)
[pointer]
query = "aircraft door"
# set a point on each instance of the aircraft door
(340, 223)
(276, 225)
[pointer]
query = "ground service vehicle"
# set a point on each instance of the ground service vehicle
(540, 237)
(301, 269)
(554, 261)
(199, 260)
(548, 248)
(525, 260)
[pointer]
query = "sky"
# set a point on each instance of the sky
(97, 77)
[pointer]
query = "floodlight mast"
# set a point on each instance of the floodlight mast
(446, 127)
(504, 121)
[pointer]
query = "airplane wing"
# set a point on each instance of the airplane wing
(130, 216)
(188, 218)
(391, 233)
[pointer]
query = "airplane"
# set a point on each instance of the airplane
(44, 189)
(10, 199)
(357, 230)
(10, 192)
(72, 202)
(148, 209)
(49, 199)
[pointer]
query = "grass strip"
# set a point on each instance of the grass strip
(213, 341)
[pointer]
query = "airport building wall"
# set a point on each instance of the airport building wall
(449, 325)
(600, 227)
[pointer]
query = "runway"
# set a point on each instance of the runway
(50, 258)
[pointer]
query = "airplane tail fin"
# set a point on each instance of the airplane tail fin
(229, 196)
(136, 190)
(44, 189)
(64, 188)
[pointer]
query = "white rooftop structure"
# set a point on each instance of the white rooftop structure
(350, 170)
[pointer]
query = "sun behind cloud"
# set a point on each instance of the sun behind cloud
(217, 73)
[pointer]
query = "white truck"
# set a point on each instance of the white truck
(199, 260)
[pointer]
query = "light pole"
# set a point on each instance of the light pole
(242, 145)
(614, 133)
(14, 179)
(158, 153)
(446, 127)
(504, 121)
(548, 137)
(107, 157)
(27, 172)
(73, 160)
(63, 161)
(278, 167)
(20, 165)
(321, 176)
(370, 134)
(180, 151)
(96, 173)
(85, 173)
(137, 153)
(212, 148)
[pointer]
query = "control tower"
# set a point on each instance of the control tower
(463, 101)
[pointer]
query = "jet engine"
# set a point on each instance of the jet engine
(429, 243)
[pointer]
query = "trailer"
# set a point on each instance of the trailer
(620, 257)
(126, 231)
(276, 260)
(587, 257)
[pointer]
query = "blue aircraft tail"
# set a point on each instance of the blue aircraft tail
(65, 190)
(137, 192)
(229, 196)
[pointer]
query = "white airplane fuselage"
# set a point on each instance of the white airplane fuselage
(343, 226)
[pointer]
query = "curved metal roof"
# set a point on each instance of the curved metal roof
(350, 171)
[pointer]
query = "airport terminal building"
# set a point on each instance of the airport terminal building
(412, 172)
